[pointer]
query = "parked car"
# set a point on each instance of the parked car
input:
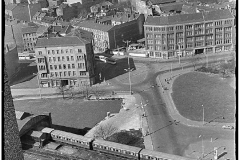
(227, 127)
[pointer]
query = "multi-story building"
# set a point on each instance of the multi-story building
(29, 35)
(204, 32)
(64, 61)
(109, 32)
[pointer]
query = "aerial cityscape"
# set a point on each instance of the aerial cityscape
(119, 80)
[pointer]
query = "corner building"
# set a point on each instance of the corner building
(206, 32)
(64, 61)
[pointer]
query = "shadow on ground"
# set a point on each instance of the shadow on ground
(71, 129)
(105, 71)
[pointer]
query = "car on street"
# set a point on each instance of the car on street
(227, 127)
(120, 51)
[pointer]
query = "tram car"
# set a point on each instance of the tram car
(116, 148)
(146, 154)
(72, 139)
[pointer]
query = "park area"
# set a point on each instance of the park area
(195, 90)
(70, 113)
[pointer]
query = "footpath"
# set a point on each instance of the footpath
(166, 81)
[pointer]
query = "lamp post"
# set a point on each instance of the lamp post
(202, 146)
(179, 54)
(203, 114)
(38, 84)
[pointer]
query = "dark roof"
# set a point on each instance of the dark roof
(171, 6)
(48, 19)
(188, 18)
(88, 36)
(10, 7)
(60, 41)
(161, 1)
(91, 24)
(29, 30)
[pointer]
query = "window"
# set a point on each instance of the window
(171, 41)
(208, 43)
(170, 36)
(163, 28)
(218, 23)
(209, 31)
(227, 29)
(73, 66)
(148, 28)
(157, 41)
(69, 73)
(189, 45)
(51, 67)
(67, 58)
(70, 50)
(189, 26)
(209, 37)
(197, 44)
(179, 40)
(170, 28)
(55, 66)
(65, 73)
(209, 24)
(180, 34)
(79, 50)
(197, 26)
(62, 51)
(150, 41)
(66, 50)
(189, 39)
(219, 36)
(59, 59)
(72, 58)
(158, 48)
(150, 47)
(157, 29)
(179, 27)
(69, 66)
(189, 33)
(199, 31)
(57, 51)
(64, 66)
(226, 41)
(51, 74)
(56, 74)
(74, 73)
(218, 29)
(227, 35)
(158, 36)
(60, 66)
(48, 51)
(158, 54)
(54, 59)
(228, 22)
(200, 38)
(171, 47)
(149, 36)
(39, 52)
(53, 52)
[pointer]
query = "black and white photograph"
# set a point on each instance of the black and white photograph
(119, 79)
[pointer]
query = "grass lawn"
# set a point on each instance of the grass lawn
(192, 90)
(71, 113)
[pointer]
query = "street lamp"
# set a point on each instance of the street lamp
(129, 76)
(179, 54)
(37, 74)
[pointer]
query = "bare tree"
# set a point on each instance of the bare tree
(104, 131)
(61, 89)
(194, 60)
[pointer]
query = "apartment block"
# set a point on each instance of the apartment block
(29, 35)
(188, 34)
(64, 61)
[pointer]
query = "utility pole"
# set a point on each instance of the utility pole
(179, 53)
(37, 74)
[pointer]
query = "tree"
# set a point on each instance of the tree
(194, 60)
(83, 13)
(104, 131)
(61, 89)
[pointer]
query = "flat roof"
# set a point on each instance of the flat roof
(71, 135)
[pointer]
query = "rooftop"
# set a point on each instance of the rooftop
(30, 29)
(92, 24)
(60, 41)
(188, 18)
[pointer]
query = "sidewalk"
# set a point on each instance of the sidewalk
(129, 117)
(173, 111)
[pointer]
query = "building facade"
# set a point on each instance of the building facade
(109, 32)
(64, 61)
(29, 35)
(189, 34)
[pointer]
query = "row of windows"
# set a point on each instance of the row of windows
(41, 60)
(29, 39)
(115, 150)
(42, 67)
(67, 66)
(60, 51)
(68, 58)
(67, 74)
(29, 35)
(69, 139)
